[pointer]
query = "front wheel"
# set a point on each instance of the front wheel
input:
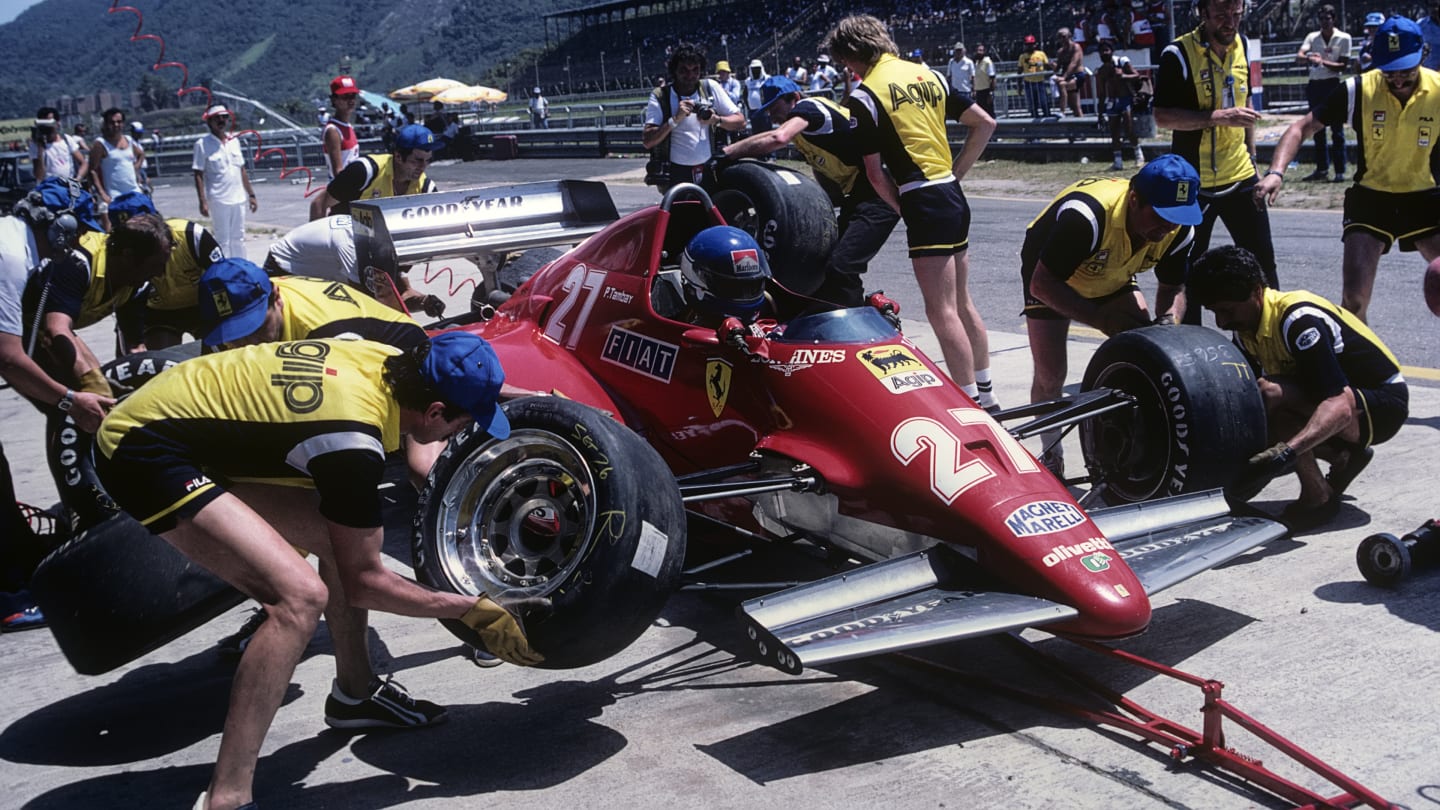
(1198, 413)
(572, 506)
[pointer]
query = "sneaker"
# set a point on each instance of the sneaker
(234, 644)
(993, 408)
(1119, 164)
(20, 613)
(1339, 178)
(482, 658)
(1139, 156)
(389, 706)
(1316, 176)
(203, 803)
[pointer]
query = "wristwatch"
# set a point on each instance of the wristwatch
(66, 402)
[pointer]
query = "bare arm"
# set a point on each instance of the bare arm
(1170, 300)
(981, 127)
(19, 370)
(57, 334)
(370, 585)
(1331, 416)
(1189, 120)
(883, 183)
(332, 149)
(731, 123)
(764, 143)
(321, 204)
(1063, 298)
(1297, 133)
(200, 193)
(249, 190)
(97, 170)
(82, 163)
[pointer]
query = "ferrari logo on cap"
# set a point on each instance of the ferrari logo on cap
(717, 384)
(1182, 191)
(1392, 42)
(222, 303)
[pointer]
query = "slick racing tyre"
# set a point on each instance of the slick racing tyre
(115, 592)
(69, 450)
(789, 214)
(573, 506)
(518, 270)
(1197, 419)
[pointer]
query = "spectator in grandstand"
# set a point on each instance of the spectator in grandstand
(823, 77)
(680, 118)
(1141, 33)
(1115, 87)
(961, 70)
(1070, 75)
(911, 140)
(984, 80)
(1035, 67)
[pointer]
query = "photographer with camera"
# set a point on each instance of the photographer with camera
(53, 154)
(679, 118)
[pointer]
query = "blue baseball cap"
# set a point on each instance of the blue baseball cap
(416, 136)
(131, 203)
(1374, 18)
(1397, 45)
(465, 371)
(775, 87)
(234, 296)
(1171, 186)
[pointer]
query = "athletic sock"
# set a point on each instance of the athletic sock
(971, 390)
(985, 388)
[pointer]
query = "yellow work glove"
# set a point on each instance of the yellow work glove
(502, 634)
(94, 382)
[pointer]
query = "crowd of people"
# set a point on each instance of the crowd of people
(73, 255)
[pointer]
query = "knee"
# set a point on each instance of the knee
(302, 602)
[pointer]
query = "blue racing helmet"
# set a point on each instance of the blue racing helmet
(725, 272)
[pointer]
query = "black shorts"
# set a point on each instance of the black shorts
(179, 321)
(155, 480)
(937, 220)
(1392, 217)
(1383, 411)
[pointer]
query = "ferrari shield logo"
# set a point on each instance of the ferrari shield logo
(1182, 191)
(1393, 42)
(717, 384)
(222, 302)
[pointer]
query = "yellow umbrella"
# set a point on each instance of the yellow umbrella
(423, 91)
(470, 93)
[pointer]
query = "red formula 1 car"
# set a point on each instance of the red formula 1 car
(816, 423)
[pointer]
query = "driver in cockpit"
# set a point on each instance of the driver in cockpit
(722, 275)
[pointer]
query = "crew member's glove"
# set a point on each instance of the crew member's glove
(432, 305)
(1260, 470)
(501, 632)
(94, 382)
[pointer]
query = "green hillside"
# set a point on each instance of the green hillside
(280, 51)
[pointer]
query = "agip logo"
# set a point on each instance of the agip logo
(898, 369)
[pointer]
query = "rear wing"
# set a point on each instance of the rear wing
(391, 232)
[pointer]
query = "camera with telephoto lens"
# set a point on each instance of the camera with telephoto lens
(704, 110)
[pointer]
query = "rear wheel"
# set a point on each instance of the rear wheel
(1197, 419)
(572, 506)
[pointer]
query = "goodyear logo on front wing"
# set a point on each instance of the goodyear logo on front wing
(898, 369)
(1044, 517)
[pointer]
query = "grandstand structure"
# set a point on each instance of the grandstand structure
(620, 45)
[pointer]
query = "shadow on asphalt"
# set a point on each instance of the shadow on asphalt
(1414, 600)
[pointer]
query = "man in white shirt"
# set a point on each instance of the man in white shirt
(680, 116)
(759, 119)
(221, 183)
(539, 110)
(54, 154)
(961, 70)
(1327, 53)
